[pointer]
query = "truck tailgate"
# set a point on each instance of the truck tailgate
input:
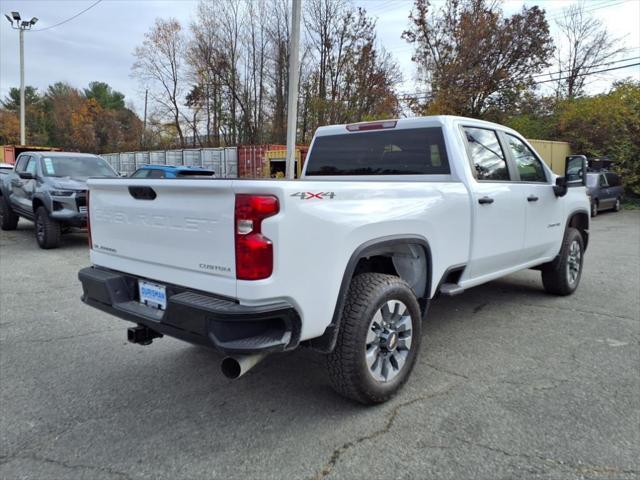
(166, 230)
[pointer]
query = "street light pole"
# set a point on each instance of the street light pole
(23, 133)
(292, 97)
(21, 26)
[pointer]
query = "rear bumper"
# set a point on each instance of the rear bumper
(193, 316)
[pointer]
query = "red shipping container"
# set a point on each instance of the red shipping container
(251, 158)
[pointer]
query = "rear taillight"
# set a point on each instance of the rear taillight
(361, 127)
(89, 224)
(254, 251)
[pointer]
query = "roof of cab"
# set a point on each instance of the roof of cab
(412, 122)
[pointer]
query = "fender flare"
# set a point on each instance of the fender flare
(383, 245)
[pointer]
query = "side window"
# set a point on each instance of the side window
(603, 181)
(156, 174)
(486, 154)
(140, 174)
(613, 179)
(22, 163)
(31, 166)
(529, 166)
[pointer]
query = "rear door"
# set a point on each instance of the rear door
(615, 187)
(606, 199)
(499, 218)
(544, 227)
(166, 230)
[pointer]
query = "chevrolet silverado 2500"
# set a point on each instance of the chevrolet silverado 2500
(386, 216)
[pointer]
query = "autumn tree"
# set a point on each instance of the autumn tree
(35, 120)
(471, 57)
(160, 64)
(106, 97)
(584, 46)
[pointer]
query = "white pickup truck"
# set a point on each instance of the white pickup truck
(386, 216)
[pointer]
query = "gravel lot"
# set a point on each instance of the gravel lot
(511, 383)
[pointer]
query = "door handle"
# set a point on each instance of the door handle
(485, 200)
(532, 198)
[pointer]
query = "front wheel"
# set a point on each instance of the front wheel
(47, 230)
(378, 341)
(562, 276)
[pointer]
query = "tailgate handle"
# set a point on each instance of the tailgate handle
(143, 193)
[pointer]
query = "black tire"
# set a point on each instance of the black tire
(48, 231)
(8, 218)
(594, 208)
(556, 276)
(618, 205)
(347, 365)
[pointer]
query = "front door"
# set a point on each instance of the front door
(544, 211)
(22, 189)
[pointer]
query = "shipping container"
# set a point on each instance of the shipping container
(158, 157)
(141, 158)
(252, 158)
(191, 157)
(8, 153)
(174, 157)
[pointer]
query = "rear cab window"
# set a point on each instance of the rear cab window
(409, 151)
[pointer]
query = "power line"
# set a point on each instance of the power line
(589, 73)
(590, 66)
(68, 19)
(423, 95)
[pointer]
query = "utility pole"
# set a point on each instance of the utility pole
(292, 97)
(21, 26)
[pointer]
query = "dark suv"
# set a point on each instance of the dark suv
(605, 191)
(50, 189)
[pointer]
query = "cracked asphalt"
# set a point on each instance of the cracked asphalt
(510, 383)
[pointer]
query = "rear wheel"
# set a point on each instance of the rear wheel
(379, 339)
(617, 206)
(562, 276)
(47, 230)
(8, 218)
(594, 208)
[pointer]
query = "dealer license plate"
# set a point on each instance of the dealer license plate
(152, 294)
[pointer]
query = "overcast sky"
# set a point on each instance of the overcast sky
(98, 45)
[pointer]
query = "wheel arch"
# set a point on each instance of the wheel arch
(579, 220)
(401, 255)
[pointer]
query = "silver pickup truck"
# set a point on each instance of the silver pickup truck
(50, 189)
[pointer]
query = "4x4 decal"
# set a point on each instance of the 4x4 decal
(310, 195)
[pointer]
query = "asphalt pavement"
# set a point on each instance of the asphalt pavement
(510, 383)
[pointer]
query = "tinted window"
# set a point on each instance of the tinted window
(31, 166)
(140, 174)
(486, 154)
(77, 167)
(603, 181)
(22, 163)
(613, 179)
(529, 167)
(156, 174)
(417, 151)
(195, 173)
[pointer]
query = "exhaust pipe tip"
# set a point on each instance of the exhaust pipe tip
(235, 367)
(231, 368)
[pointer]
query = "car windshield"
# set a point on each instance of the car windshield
(592, 180)
(77, 167)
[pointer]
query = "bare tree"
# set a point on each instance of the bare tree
(584, 45)
(159, 63)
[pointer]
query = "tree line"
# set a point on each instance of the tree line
(221, 79)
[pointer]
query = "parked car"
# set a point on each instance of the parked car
(346, 260)
(49, 188)
(170, 171)
(605, 191)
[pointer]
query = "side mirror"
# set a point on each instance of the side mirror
(575, 171)
(575, 175)
(26, 175)
(560, 188)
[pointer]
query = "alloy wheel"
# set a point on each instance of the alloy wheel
(574, 262)
(388, 341)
